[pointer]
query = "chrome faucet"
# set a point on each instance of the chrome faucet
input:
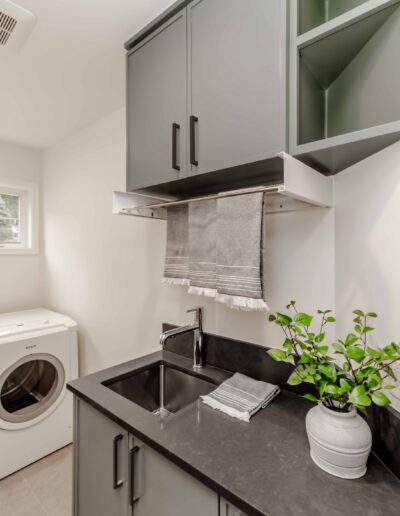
(197, 329)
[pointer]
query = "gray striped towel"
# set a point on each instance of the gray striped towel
(241, 397)
(240, 248)
(203, 247)
(176, 270)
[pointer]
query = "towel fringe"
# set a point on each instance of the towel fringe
(246, 304)
(202, 291)
(176, 281)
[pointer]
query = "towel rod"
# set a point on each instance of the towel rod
(234, 193)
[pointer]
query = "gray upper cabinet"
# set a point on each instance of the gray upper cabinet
(237, 90)
(156, 106)
(217, 68)
(100, 464)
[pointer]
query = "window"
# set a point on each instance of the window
(18, 217)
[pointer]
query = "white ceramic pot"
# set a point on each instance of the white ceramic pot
(340, 442)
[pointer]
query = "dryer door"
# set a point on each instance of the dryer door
(30, 386)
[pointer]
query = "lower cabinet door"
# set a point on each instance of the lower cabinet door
(159, 487)
(100, 464)
(226, 509)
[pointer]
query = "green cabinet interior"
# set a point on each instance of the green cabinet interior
(316, 12)
(234, 84)
(116, 474)
(346, 104)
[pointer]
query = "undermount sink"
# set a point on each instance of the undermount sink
(161, 388)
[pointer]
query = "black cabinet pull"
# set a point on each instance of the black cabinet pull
(193, 121)
(133, 499)
(175, 130)
(116, 483)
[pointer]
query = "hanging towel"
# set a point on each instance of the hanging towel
(203, 247)
(240, 248)
(241, 397)
(176, 271)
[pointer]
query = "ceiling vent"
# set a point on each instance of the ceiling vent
(16, 23)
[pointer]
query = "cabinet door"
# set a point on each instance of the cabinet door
(161, 487)
(100, 464)
(156, 106)
(226, 509)
(237, 81)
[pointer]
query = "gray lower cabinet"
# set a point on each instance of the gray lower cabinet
(101, 465)
(156, 106)
(237, 90)
(117, 475)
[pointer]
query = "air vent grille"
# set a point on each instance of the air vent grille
(7, 25)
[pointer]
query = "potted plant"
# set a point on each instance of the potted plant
(340, 439)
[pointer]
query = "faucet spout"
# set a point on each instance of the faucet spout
(197, 329)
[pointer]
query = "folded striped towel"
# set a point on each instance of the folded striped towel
(241, 397)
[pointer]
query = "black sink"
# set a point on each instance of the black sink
(161, 388)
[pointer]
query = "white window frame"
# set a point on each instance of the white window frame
(29, 216)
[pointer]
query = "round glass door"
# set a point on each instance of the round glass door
(29, 387)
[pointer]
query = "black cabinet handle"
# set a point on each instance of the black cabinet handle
(175, 130)
(116, 483)
(193, 121)
(133, 499)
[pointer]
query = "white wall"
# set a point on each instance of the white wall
(20, 276)
(105, 270)
(367, 237)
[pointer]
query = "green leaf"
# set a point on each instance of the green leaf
(373, 381)
(283, 319)
(332, 389)
(345, 386)
(355, 353)
(339, 348)
(372, 314)
(374, 353)
(390, 372)
(358, 328)
(310, 397)
(277, 354)
(351, 339)
(322, 349)
(367, 329)
(358, 396)
(359, 312)
(289, 359)
(389, 387)
(361, 409)
(303, 319)
(294, 379)
(330, 319)
(380, 398)
(304, 359)
(272, 318)
(329, 371)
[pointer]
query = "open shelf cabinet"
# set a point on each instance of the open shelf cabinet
(345, 102)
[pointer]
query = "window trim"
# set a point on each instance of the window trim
(29, 216)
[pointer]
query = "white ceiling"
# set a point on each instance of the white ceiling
(71, 70)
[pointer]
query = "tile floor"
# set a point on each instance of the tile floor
(41, 489)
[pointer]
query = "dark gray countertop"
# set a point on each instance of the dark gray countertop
(263, 467)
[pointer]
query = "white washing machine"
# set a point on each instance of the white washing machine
(38, 356)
